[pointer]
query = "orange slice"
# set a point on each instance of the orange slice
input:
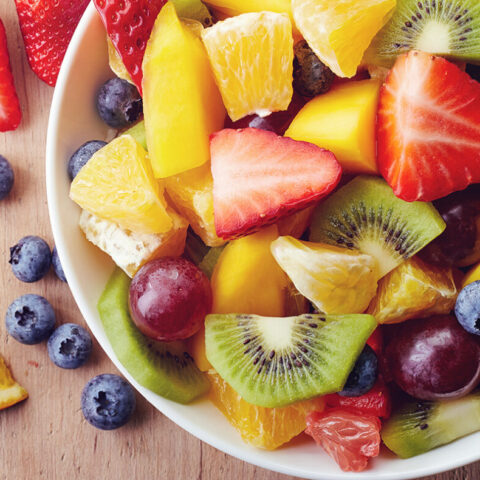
(10, 391)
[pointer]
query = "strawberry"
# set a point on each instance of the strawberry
(47, 28)
(259, 177)
(10, 114)
(129, 24)
(428, 128)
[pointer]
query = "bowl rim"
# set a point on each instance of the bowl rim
(169, 410)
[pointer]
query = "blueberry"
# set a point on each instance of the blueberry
(57, 266)
(310, 76)
(30, 259)
(363, 376)
(69, 346)
(82, 155)
(6, 177)
(119, 103)
(467, 308)
(30, 319)
(108, 401)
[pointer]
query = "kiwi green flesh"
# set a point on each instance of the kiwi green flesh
(138, 133)
(418, 427)
(164, 368)
(366, 215)
(195, 10)
(273, 362)
(450, 28)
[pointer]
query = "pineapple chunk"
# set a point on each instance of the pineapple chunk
(132, 250)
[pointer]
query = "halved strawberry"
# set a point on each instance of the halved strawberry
(428, 128)
(129, 24)
(259, 177)
(10, 113)
(47, 28)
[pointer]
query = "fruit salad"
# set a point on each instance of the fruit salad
(293, 205)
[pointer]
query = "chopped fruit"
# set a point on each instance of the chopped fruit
(376, 402)
(363, 376)
(130, 250)
(428, 128)
(192, 194)
(295, 225)
(347, 29)
(129, 28)
(474, 256)
(259, 177)
(177, 72)
(343, 121)
(116, 63)
(10, 391)
(414, 289)
(259, 426)
(376, 341)
(196, 347)
(10, 113)
(247, 278)
(472, 276)
(252, 58)
(138, 133)
(334, 279)
(467, 308)
(233, 8)
(193, 10)
(117, 184)
(349, 438)
(47, 27)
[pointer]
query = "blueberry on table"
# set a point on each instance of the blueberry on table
(30, 259)
(467, 308)
(108, 401)
(69, 346)
(57, 266)
(363, 376)
(82, 155)
(118, 103)
(6, 177)
(30, 319)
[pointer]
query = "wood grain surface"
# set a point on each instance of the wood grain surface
(46, 437)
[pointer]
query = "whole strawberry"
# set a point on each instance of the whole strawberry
(10, 114)
(47, 28)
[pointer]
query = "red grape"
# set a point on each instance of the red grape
(434, 358)
(169, 298)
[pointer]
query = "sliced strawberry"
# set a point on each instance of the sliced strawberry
(259, 177)
(350, 439)
(10, 114)
(47, 28)
(428, 128)
(129, 24)
(376, 402)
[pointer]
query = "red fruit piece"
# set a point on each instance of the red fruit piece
(129, 24)
(350, 439)
(428, 128)
(376, 402)
(259, 177)
(375, 341)
(47, 28)
(10, 113)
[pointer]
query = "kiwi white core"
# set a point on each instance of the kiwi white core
(435, 38)
(386, 261)
(276, 332)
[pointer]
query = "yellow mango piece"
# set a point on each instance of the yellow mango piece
(342, 121)
(472, 275)
(196, 347)
(247, 279)
(295, 225)
(182, 104)
(116, 63)
(10, 391)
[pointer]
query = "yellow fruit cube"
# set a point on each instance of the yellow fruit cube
(117, 184)
(414, 289)
(182, 104)
(343, 121)
(116, 63)
(10, 391)
(472, 275)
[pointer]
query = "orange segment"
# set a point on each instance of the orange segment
(259, 426)
(252, 59)
(10, 391)
(340, 31)
(116, 63)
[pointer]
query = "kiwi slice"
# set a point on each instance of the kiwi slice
(445, 27)
(204, 257)
(419, 426)
(138, 133)
(194, 9)
(164, 368)
(272, 362)
(366, 215)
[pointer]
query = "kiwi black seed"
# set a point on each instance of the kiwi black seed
(273, 362)
(164, 368)
(367, 216)
(450, 28)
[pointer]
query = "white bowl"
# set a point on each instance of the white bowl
(73, 121)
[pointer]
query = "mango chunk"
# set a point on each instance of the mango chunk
(343, 121)
(182, 104)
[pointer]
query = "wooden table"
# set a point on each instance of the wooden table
(47, 436)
